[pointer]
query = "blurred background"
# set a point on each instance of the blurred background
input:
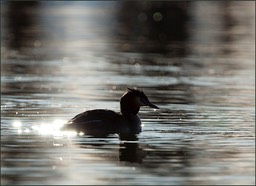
(194, 59)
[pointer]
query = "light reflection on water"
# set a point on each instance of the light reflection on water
(203, 132)
(52, 129)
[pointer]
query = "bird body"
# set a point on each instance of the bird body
(101, 123)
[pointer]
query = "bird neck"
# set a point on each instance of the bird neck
(127, 111)
(129, 106)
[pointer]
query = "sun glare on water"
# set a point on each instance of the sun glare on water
(50, 128)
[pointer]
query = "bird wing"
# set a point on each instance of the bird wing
(97, 122)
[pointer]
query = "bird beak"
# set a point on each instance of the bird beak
(152, 105)
(147, 103)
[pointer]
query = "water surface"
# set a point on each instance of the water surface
(62, 58)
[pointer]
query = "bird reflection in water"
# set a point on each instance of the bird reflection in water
(130, 151)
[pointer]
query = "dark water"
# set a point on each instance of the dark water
(195, 60)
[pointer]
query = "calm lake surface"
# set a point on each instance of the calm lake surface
(195, 61)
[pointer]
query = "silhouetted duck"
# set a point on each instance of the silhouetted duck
(100, 122)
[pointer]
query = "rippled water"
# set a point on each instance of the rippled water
(71, 58)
